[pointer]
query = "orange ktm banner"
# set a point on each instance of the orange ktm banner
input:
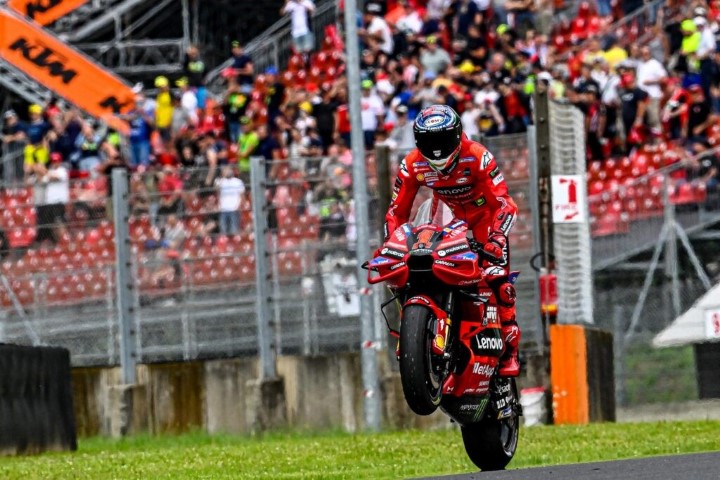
(45, 12)
(64, 70)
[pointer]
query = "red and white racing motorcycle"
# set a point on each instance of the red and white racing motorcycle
(449, 336)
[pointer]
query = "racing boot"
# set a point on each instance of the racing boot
(509, 364)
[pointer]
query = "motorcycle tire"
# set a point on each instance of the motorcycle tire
(421, 386)
(491, 443)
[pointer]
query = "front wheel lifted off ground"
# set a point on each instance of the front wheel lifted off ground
(421, 385)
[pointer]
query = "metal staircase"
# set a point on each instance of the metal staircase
(115, 33)
(93, 17)
(17, 82)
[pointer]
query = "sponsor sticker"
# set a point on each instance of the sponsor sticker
(453, 249)
(464, 256)
(444, 263)
(454, 191)
(462, 180)
(467, 159)
(494, 172)
(392, 253)
(420, 177)
(480, 201)
(397, 265)
(486, 159)
(498, 179)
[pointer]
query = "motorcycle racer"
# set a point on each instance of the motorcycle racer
(465, 176)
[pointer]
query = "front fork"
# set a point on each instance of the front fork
(441, 329)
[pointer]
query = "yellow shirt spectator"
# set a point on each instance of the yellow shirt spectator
(614, 56)
(163, 110)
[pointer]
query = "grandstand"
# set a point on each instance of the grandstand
(292, 110)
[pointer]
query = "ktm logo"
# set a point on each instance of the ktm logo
(41, 6)
(113, 104)
(44, 57)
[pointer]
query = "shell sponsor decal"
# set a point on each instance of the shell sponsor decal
(420, 177)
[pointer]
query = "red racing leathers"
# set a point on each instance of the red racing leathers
(476, 192)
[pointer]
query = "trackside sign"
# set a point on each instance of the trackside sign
(64, 70)
(569, 203)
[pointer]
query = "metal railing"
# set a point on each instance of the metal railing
(273, 47)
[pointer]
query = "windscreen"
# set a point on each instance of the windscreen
(441, 216)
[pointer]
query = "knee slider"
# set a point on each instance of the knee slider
(506, 295)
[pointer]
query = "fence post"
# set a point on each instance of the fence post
(370, 377)
(262, 295)
(382, 162)
(124, 281)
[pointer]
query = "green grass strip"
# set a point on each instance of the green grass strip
(387, 455)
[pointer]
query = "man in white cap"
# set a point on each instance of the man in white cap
(705, 53)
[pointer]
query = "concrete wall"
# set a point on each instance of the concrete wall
(217, 396)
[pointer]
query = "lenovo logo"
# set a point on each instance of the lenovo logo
(44, 57)
(454, 191)
(492, 343)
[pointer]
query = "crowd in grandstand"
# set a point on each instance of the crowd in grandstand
(656, 79)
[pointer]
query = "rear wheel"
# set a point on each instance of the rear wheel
(491, 443)
(421, 382)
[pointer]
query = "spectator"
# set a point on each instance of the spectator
(234, 107)
(700, 115)
(141, 125)
(269, 148)
(275, 95)
(194, 71)
(675, 109)
(247, 144)
(705, 51)
(633, 104)
(170, 189)
(55, 184)
(402, 134)
(300, 11)
(342, 118)
(324, 112)
(521, 16)
(372, 113)
(243, 67)
(691, 40)
(139, 196)
(434, 58)
(425, 94)
(650, 75)
(36, 151)
(230, 193)
(333, 225)
(167, 258)
(164, 108)
(189, 102)
(376, 31)
(13, 139)
(88, 146)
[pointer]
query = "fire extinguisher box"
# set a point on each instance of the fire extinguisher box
(581, 374)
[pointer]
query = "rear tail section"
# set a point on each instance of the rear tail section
(64, 70)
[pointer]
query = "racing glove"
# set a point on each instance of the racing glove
(496, 248)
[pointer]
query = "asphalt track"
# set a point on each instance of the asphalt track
(699, 466)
